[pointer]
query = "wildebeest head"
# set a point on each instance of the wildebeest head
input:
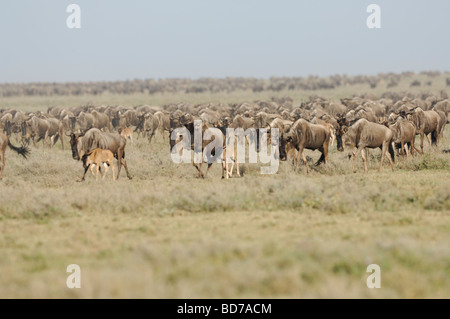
(286, 140)
(74, 143)
(349, 140)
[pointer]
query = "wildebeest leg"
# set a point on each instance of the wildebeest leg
(355, 155)
(106, 170)
(47, 139)
(124, 163)
(363, 156)
(391, 161)
(207, 170)
(112, 168)
(119, 162)
(61, 136)
(305, 162)
(412, 147)
(224, 168)
(84, 175)
(96, 171)
(383, 155)
(236, 161)
(150, 136)
(429, 139)
(421, 142)
(198, 167)
(2, 164)
(403, 145)
(91, 168)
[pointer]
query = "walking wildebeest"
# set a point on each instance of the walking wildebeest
(426, 122)
(404, 133)
(4, 142)
(98, 157)
(192, 126)
(301, 135)
(364, 134)
(229, 149)
(85, 142)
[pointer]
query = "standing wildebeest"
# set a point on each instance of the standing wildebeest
(404, 133)
(4, 142)
(301, 135)
(37, 128)
(98, 157)
(83, 143)
(151, 124)
(126, 133)
(192, 127)
(426, 122)
(365, 134)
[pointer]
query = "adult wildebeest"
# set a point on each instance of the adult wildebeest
(301, 135)
(195, 127)
(98, 157)
(82, 143)
(151, 124)
(364, 134)
(426, 122)
(4, 142)
(229, 148)
(404, 133)
(36, 128)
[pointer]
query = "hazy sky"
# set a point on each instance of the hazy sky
(121, 40)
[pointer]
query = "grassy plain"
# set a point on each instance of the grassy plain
(167, 234)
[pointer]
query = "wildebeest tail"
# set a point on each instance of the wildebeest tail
(24, 151)
(434, 137)
(56, 138)
(321, 160)
(391, 152)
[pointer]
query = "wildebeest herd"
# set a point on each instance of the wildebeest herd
(390, 123)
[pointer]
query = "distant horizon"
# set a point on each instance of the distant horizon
(225, 77)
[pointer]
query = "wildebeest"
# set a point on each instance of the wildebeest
(200, 128)
(37, 129)
(426, 122)
(85, 142)
(5, 142)
(404, 133)
(98, 157)
(301, 135)
(126, 133)
(364, 134)
(229, 149)
(151, 124)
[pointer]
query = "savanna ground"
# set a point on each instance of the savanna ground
(167, 234)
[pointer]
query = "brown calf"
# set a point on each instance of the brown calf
(98, 157)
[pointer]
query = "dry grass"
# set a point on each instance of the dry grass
(167, 234)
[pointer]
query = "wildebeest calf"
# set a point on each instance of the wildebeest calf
(126, 133)
(98, 157)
